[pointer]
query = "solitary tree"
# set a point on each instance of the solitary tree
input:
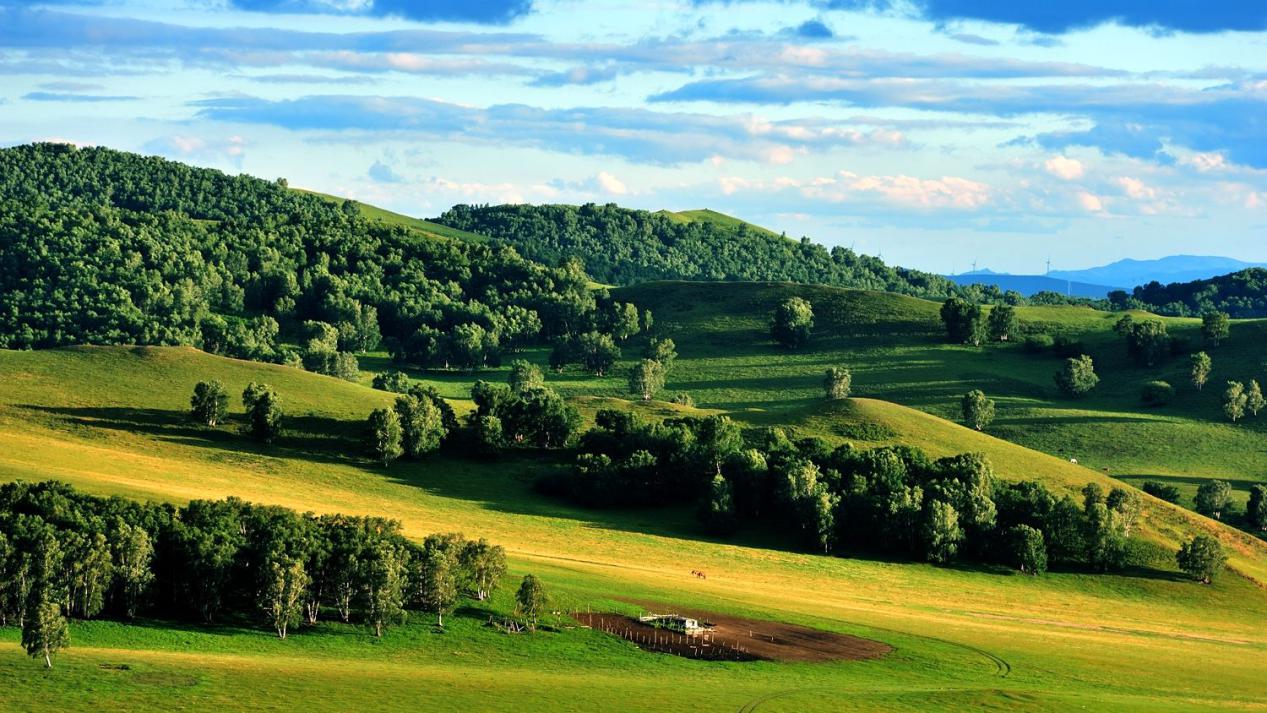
(964, 321)
(646, 378)
(792, 322)
(1213, 498)
(382, 436)
(263, 412)
(1029, 551)
(1200, 369)
(978, 410)
(1002, 322)
(531, 600)
(210, 402)
(283, 591)
(1215, 327)
(662, 350)
(1254, 398)
(44, 630)
(1201, 558)
(525, 376)
(1235, 401)
(1077, 376)
(838, 382)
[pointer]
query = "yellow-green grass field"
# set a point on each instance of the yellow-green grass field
(111, 421)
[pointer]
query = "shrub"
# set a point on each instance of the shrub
(1038, 343)
(1165, 491)
(1157, 393)
(1067, 346)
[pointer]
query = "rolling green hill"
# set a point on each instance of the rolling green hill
(170, 245)
(111, 421)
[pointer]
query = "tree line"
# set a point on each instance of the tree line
(67, 554)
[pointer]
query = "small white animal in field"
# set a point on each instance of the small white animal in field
(1074, 461)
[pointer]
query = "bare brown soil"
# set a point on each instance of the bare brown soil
(736, 639)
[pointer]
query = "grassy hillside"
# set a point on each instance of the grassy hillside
(110, 420)
(392, 218)
(896, 349)
(706, 215)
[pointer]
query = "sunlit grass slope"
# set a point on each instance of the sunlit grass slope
(425, 227)
(895, 347)
(111, 421)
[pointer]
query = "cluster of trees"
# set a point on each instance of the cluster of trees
(892, 500)
(1240, 294)
(67, 554)
(105, 247)
(1214, 499)
(522, 413)
(1239, 400)
(210, 404)
(968, 323)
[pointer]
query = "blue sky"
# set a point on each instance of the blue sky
(935, 133)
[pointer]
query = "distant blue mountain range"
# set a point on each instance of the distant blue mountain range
(1096, 282)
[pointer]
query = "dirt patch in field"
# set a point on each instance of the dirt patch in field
(733, 638)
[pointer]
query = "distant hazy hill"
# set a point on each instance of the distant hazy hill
(1030, 285)
(1176, 268)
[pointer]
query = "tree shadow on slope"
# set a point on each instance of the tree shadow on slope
(304, 436)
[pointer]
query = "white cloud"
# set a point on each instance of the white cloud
(1136, 188)
(611, 184)
(947, 192)
(1068, 169)
(1206, 162)
(1090, 202)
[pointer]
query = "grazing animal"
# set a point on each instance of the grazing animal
(1074, 461)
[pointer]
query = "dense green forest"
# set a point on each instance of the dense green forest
(106, 247)
(623, 246)
(1241, 294)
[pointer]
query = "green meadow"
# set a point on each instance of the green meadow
(111, 420)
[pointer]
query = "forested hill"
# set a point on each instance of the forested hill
(623, 246)
(1240, 294)
(105, 247)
